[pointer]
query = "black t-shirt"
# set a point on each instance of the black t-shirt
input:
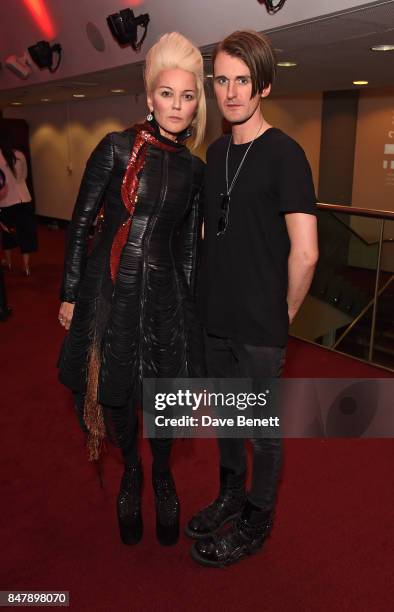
(243, 280)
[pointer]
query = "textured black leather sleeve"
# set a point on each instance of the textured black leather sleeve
(189, 249)
(94, 182)
(191, 230)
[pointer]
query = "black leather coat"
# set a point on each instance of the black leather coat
(144, 322)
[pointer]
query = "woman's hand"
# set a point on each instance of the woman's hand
(66, 314)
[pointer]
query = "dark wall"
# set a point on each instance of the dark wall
(338, 138)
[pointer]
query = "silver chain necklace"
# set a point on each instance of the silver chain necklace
(223, 219)
(229, 189)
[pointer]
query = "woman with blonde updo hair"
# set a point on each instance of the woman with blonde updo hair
(128, 306)
(174, 51)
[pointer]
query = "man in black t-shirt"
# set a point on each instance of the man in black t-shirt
(259, 254)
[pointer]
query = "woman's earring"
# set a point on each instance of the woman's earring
(149, 117)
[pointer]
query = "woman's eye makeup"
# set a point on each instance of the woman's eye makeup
(166, 93)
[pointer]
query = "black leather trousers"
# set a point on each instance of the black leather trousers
(122, 429)
(227, 358)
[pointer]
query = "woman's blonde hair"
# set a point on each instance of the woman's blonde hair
(173, 50)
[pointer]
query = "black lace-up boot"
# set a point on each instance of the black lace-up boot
(167, 507)
(226, 507)
(129, 505)
(245, 538)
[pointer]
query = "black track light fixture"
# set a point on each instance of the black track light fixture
(123, 26)
(273, 6)
(42, 54)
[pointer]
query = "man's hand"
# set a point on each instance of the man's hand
(66, 314)
(303, 256)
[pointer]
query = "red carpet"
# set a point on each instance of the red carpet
(331, 547)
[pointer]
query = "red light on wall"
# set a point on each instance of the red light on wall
(132, 3)
(40, 14)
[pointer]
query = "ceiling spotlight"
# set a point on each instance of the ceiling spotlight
(287, 64)
(360, 82)
(79, 96)
(45, 99)
(16, 103)
(382, 48)
(42, 54)
(117, 90)
(123, 26)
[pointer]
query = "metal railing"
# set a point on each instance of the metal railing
(367, 306)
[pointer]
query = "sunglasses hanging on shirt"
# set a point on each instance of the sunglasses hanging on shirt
(225, 197)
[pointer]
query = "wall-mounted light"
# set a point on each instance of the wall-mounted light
(79, 96)
(360, 82)
(123, 26)
(117, 91)
(16, 103)
(21, 66)
(42, 54)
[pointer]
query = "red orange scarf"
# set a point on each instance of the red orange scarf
(145, 136)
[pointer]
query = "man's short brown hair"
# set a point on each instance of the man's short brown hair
(256, 51)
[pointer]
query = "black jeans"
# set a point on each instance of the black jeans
(122, 429)
(227, 358)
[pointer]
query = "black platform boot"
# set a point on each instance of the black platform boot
(245, 538)
(129, 505)
(167, 508)
(226, 507)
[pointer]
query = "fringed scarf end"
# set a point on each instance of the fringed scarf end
(94, 446)
(93, 412)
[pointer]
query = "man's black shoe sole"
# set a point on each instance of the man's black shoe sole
(202, 561)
